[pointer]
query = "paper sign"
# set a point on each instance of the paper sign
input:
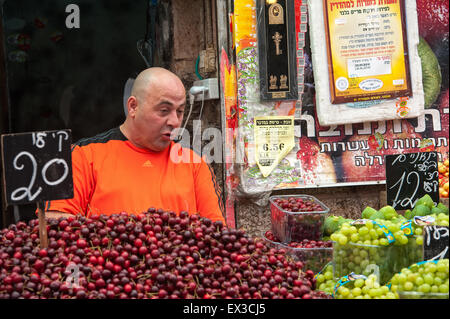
(274, 136)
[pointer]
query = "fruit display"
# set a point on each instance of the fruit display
(313, 254)
(156, 254)
(424, 280)
(333, 223)
(443, 179)
(363, 287)
(325, 280)
(367, 245)
(426, 207)
(297, 217)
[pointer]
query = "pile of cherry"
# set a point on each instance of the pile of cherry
(156, 254)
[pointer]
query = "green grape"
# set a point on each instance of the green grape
(379, 232)
(363, 231)
(394, 280)
(408, 286)
(356, 291)
(419, 281)
(419, 240)
(438, 281)
(320, 278)
(373, 292)
(342, 240)
(328, 276)
(345, 230)
(359, 283)
(443, 288)
(354, 238)
(403, 240)
(412, 277)
(441, 266)
(442, 275)
(424, 288)
(373, 234)
(391, 295)
(430, 267)
(334, 237)
(402, 278)
(343, 291)
(363, 253)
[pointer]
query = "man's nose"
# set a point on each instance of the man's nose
(173, 119)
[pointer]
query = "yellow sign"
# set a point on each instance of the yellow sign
(274, 139)
(367, 50)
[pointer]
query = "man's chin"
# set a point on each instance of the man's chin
(161, 146)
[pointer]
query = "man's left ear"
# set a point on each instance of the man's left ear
(132, 105)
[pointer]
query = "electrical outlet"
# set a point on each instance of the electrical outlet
(213, 89)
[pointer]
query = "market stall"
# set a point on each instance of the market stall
(313, 95)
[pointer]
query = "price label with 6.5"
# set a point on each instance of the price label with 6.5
(37, 166)
(274, 139)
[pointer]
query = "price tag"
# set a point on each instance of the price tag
(37, 166)
(409, 177)
(435, 243)
(274, 137)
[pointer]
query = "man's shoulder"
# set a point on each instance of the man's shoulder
(113, 134)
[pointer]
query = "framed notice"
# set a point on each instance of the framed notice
(367, 50)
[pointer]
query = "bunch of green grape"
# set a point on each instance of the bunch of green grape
(363, 248)
(441, 219)
(430, 277)
(325, 281)
(364, 289)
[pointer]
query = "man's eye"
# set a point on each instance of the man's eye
(164, 111)
(180, 111)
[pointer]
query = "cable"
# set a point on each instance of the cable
(193, 92)
(201, 110)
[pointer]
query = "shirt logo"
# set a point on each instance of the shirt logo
(147, 164)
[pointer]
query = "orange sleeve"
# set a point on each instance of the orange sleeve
(208, 193)
(83, 185)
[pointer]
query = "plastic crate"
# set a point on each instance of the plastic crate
(296, 226)
(367, 259)
(312, 258)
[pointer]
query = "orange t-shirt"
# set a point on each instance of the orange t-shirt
(111, 175)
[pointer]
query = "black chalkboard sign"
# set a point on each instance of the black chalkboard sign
(410, 177)
(435, 243)
(37, 166)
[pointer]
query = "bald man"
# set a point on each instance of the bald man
(130, 168)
